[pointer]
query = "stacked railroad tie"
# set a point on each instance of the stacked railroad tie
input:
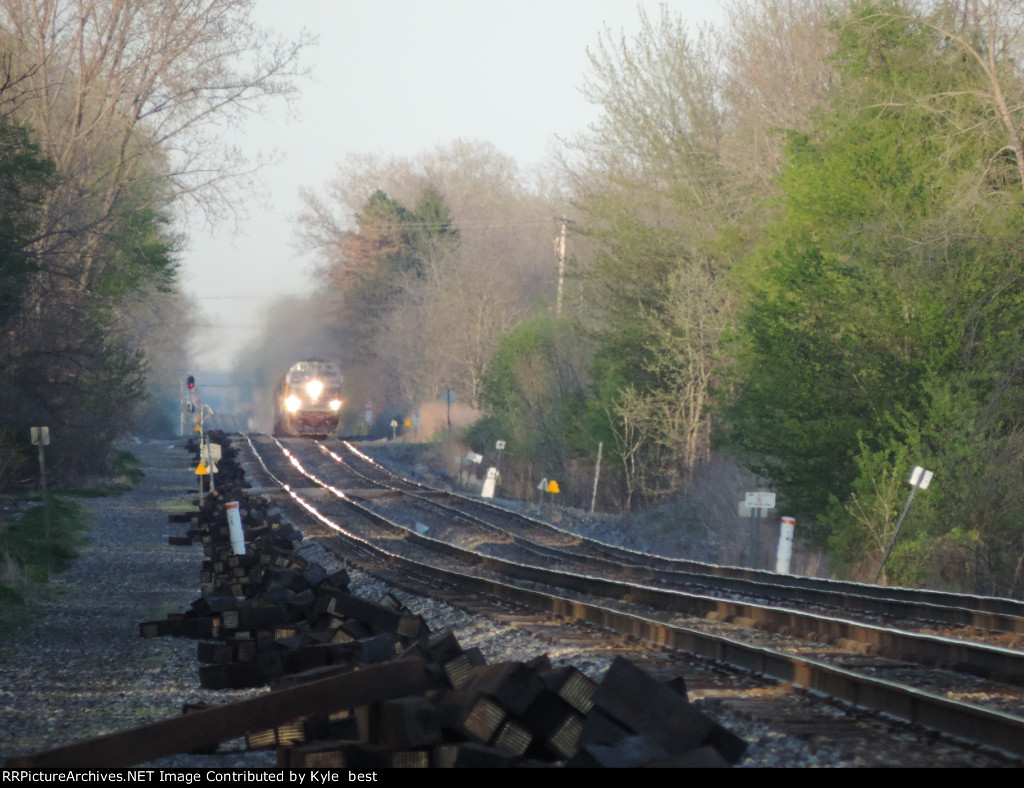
(271, 617)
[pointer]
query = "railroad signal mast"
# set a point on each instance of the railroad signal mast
(189, 405)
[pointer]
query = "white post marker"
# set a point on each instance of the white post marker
(235, 528)
(784, 553)
(490, 482)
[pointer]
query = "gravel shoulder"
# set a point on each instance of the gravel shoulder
(80, 669)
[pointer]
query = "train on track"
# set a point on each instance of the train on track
(307, 400)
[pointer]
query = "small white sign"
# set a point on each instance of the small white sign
(760, 500)
(499, 445)
(920, 478)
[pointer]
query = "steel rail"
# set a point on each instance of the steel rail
(977, 659)
(932, 607)
(965, 721)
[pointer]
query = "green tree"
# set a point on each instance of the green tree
(392, 250)
(533, 391)
(26, 178)
(655, 195)
(882, 320)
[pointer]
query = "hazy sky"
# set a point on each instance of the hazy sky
(397, 78)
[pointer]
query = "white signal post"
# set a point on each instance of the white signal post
(235, 531)
(489, 483)
(784, 553)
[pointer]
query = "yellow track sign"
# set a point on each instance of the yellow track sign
(202, 470)
(553, 486)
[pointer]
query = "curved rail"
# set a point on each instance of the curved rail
(1000, 730)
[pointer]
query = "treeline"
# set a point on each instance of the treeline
(110, 120)
(794, 241)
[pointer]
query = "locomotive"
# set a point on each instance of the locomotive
(307, 400)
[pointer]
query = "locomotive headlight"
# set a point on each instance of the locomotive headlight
(335, 404)
(314, 388)
(293, 403)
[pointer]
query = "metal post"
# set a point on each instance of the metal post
(899, 525)
(755, 540)
(919, 480)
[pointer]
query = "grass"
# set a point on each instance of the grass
(174, 507)
(127, 472)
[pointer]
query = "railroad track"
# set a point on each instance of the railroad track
(506, 558)
(934, 609)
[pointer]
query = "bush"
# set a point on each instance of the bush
(24, 544)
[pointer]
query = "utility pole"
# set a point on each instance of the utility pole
(560, 251)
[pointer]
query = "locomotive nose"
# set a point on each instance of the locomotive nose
(314, 389)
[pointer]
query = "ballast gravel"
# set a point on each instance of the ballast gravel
(80, 668)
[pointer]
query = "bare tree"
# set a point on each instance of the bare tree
(990, 36)
(130, 99)
(777, 73)
(444, 330)
(135, 97)
(442, 322)
(632, 424)
(156, 79)
(687, 335)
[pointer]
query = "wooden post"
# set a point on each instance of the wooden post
(41, 437)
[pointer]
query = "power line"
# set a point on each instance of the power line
(483, 224)
(249, 297)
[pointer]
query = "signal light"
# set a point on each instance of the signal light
(191, 382)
